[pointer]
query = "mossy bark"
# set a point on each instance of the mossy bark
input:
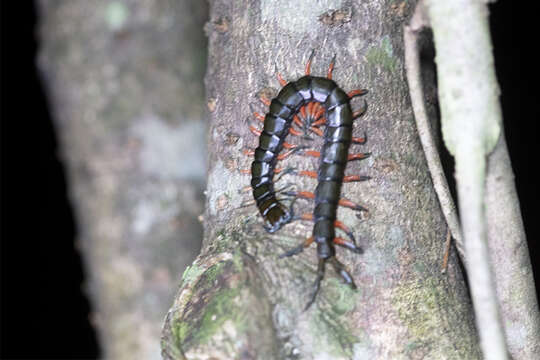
(238, 300)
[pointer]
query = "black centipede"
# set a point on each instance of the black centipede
(319, 101)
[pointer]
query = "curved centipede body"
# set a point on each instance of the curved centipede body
(320, 95)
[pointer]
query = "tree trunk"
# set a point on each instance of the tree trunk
(238, 300)
(125, 85)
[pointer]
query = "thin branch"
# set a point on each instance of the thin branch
(412, 65)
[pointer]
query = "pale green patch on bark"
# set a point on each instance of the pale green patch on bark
(417, 307)
(220, 309)
(116, 15)
(382, 56)
(285, 13)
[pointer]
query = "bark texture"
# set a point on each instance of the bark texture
(509, 252)
(125, 87)
(238, 300)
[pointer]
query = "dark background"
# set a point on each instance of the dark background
(44, 313)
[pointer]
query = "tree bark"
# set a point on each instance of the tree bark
(238, 300)
(124, 81)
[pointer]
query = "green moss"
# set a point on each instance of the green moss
(420, 267)
(180, 331)
(212, 273)
(173, 351)
(219, 310)
(191, 273)
(222, 242)
(433, 331)
(382, 55)
(222, 307)
(213, 303)
(332, 334)
(237, 260)
(342, 297)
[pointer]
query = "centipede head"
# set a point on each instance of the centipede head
(277, 217)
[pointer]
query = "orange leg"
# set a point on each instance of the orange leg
(350, 157)
(312, 153)
(359, 140)
(357, 92)
(302, 194)
(346, 179)
(310, 107)
(319, 122)
(245, 189)
(281, 80)
(287, 145)
(303, 112)
(312, 174)
(297, 120)
(286, 154)
(254, 130)
(348, 245)
(317, 131)
(259, 116)
(352, 205)
(360, 112)
(318, 115)
(331, 68)
(358, 156)
(353, 178)
(308, 64)
(295, 132)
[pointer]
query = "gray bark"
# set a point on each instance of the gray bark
(238, 300)
(124, 81)
(508, 250)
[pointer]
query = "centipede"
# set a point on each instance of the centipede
(310, 103)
